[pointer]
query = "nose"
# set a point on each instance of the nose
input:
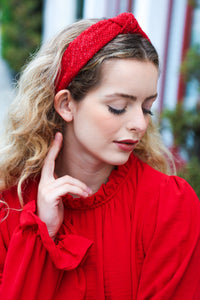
(137, 121)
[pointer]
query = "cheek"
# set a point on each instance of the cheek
(97, 122)
(148, 118)
(106, 124)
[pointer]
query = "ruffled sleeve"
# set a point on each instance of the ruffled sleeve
(31, 260)
(171, 267)
(67, 251)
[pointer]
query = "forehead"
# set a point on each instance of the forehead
(129, 74)
(124, 63)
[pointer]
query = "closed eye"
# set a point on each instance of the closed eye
(147, 111)
(116, 111)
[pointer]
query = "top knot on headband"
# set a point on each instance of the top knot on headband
(90, 41)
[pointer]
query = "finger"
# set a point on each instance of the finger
(66, 189)
(72, 181)
(49, 164)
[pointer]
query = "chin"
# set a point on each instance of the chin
(120, 159)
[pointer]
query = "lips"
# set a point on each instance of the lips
(126, 145)
(128, 142)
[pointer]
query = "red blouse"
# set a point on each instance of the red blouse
(138, 238)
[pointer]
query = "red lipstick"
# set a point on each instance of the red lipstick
(126, 145)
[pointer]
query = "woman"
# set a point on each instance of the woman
(87, 211)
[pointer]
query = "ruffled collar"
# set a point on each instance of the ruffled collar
(106, 191)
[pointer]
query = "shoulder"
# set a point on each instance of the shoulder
(160, 184)
(162, 197)
(144, 172)
(166, 206)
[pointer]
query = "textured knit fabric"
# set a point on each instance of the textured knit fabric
(90, 41)
(138, 238)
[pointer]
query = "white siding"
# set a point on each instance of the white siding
(94, 9)
(57, 14)
(152, 17)
(174, 54)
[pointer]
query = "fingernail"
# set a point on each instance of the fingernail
(56, 136)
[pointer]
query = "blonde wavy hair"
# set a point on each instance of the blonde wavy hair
(32, 120)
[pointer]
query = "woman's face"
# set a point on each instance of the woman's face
(113, 117)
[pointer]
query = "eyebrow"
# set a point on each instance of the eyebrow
(127, 96)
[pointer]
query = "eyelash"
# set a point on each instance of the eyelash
(116, 111)
(121, 111)
(146, 111)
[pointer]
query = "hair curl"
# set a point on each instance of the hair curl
(33, 121)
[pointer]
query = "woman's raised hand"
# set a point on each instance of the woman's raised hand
(51, 189)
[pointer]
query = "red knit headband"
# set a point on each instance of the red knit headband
(90, 41)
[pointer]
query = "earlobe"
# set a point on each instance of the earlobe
(63, 105)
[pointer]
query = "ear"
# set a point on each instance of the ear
(63, 104)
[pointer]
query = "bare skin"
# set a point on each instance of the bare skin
(51, 189)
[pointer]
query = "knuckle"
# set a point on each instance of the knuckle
(67, 177)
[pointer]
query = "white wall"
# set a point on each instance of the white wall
(175, 53)
(94, 9)
(152, 17)
(57, 14)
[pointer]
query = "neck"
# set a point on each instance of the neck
(78, 165)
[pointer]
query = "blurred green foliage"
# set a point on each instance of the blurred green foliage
(191, 65)
(191, 173)
(185, 124)
(194, 3)
(21, 23)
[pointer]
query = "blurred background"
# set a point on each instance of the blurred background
(173, 27)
